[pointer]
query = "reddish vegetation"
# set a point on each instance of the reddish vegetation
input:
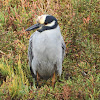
(80, 26)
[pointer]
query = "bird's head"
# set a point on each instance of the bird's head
(44, 22)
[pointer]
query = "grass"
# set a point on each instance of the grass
(80, 26)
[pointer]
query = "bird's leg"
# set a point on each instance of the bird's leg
(37, 78)
(53, 80)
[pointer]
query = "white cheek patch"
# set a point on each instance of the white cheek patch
(51, 24)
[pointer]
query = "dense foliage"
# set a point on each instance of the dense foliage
(79, 21)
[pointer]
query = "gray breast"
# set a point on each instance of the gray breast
(47, 52)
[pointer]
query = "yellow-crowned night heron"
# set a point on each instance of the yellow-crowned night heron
(46, 48)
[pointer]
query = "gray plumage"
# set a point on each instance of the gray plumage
(46, 52)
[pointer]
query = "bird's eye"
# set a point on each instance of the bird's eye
(45, 23)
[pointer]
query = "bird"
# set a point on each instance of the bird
(46, 49)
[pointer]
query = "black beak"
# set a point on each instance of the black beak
(33, 27)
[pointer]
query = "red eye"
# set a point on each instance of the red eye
(45, 23)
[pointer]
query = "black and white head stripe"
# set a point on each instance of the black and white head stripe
(49, 23)
(44, 22)
(49, 19)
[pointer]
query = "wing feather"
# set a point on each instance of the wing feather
(30, 51)
(63, 48)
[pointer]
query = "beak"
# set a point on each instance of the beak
(33, 27)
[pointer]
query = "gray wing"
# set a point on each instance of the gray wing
(63, 48)
(30, 53)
